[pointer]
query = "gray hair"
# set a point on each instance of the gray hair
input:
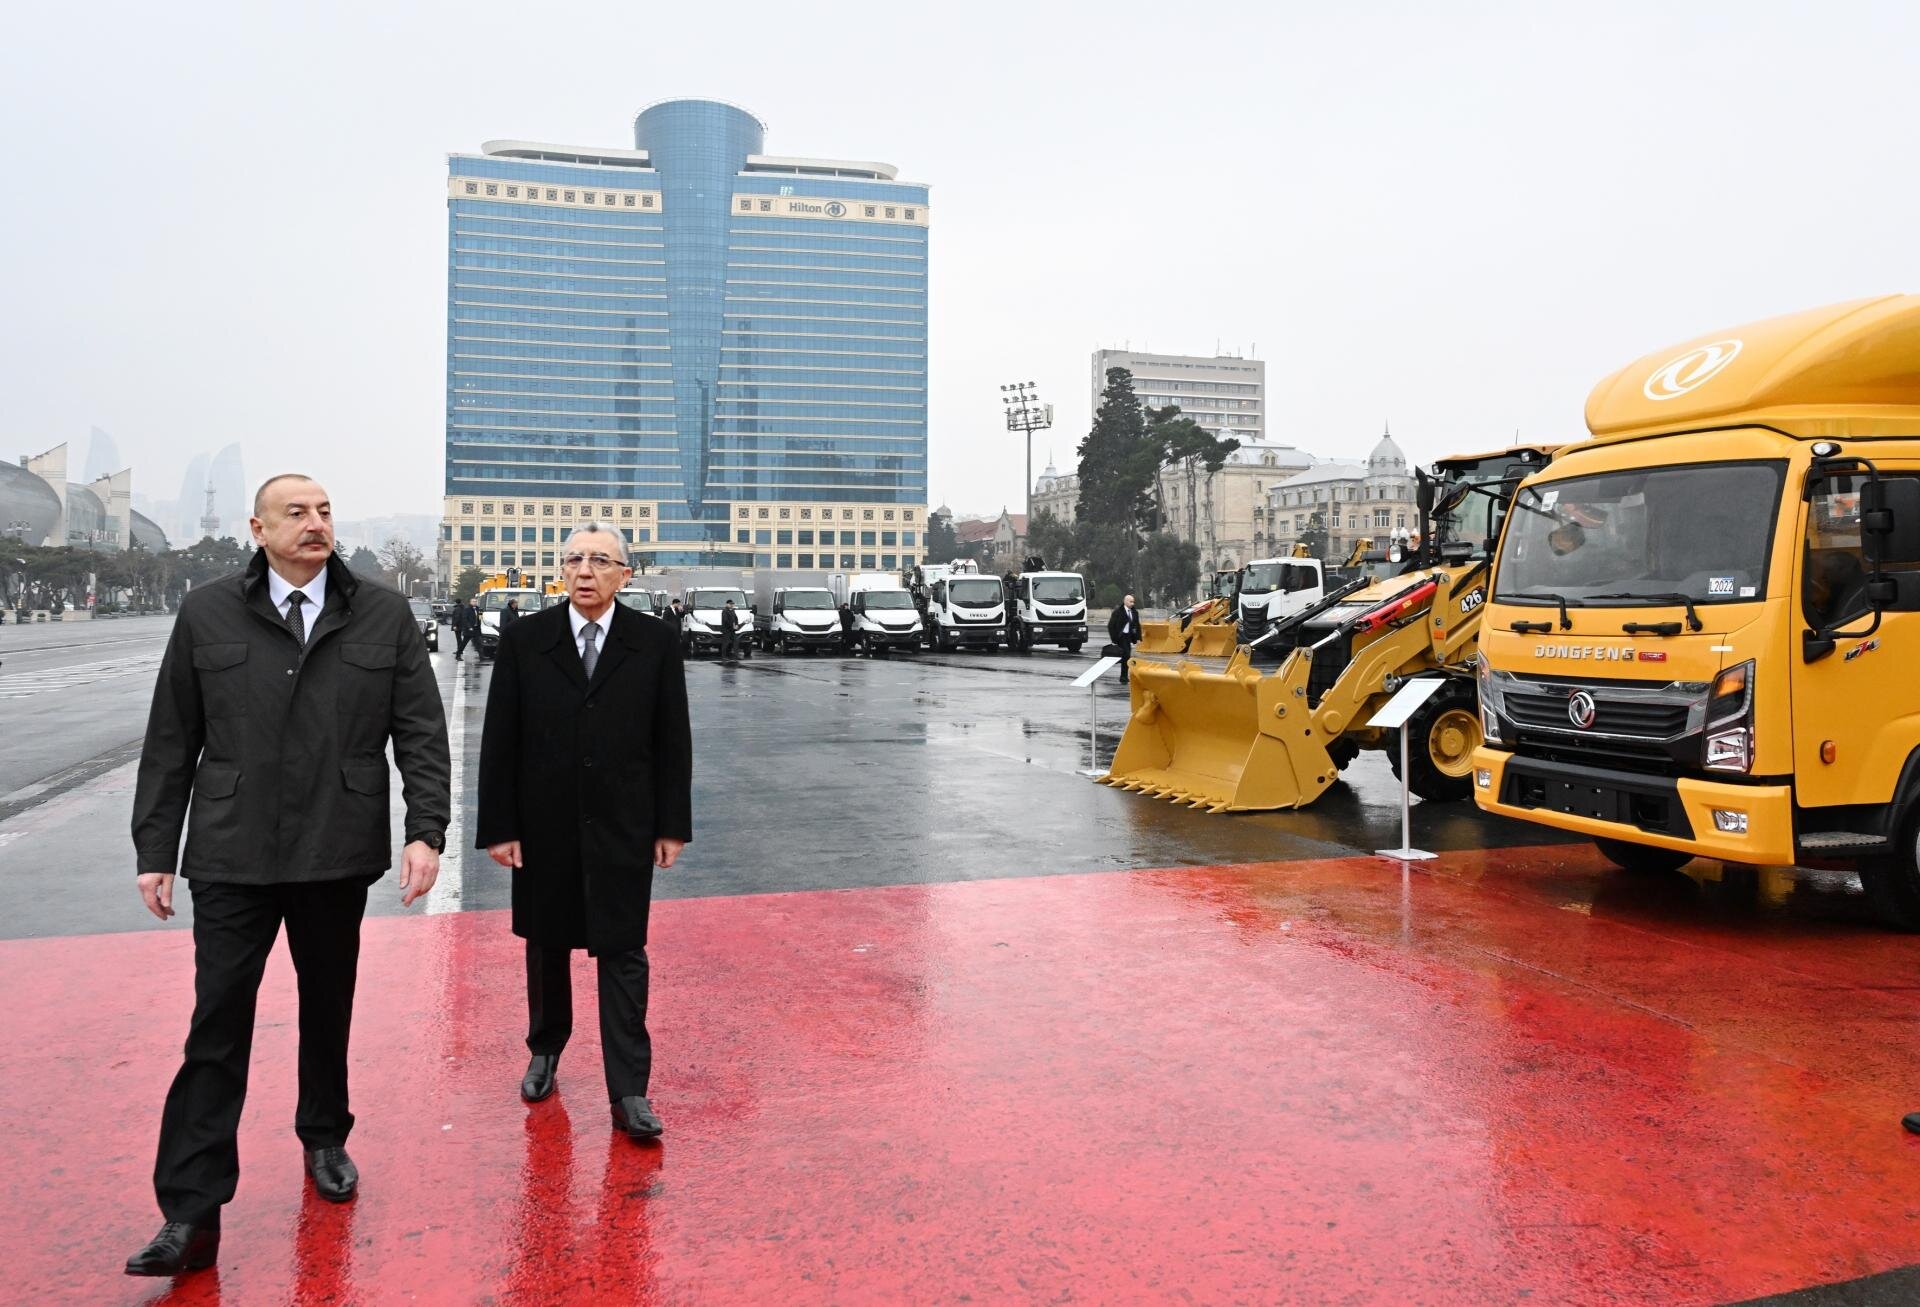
(599, 528)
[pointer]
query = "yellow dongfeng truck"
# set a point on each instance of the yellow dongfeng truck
(1703, 637)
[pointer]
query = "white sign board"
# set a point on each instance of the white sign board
(1096, 671)
(1407, 702)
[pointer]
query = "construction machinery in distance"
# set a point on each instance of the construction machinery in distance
(1215, 724)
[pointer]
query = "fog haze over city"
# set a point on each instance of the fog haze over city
(229, 225)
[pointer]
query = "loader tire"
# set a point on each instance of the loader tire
(1344, 751)
(1445, 732)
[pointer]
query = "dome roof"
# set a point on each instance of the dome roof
(1386, 455)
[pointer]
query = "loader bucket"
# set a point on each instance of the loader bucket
(1217, 738)
(1161, 637)
(1213, 639)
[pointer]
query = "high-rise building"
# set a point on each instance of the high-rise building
(1226, 396)
(722, 351)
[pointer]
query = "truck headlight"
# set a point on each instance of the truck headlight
(1489, 701)
(1729, 730)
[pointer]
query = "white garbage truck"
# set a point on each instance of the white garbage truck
(794, 611)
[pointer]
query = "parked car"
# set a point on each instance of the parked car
(429, 624)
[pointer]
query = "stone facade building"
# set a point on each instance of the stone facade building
(1375, 499)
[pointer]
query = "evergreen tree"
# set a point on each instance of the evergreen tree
(1118, 459)
(468, 584)
(942, 541)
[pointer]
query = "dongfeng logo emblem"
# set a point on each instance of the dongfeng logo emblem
(836, 210)
(1580, 709)
(1693, 369)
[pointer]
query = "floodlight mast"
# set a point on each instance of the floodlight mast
(1026, 413)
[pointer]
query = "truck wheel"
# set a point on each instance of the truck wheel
(943, 641)
(1893, 883)
(1642, 859)
(1445, 732)
(1074, 647)
(1343, 751)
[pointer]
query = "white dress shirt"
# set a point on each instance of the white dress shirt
(278, 588)
(580, 620)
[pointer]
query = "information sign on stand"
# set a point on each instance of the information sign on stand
(1091, 678)
(1394, 716)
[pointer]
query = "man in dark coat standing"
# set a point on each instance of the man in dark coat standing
(466, 627)
(586, 776)
(278, 693)
(729, 631)
(1123, 628)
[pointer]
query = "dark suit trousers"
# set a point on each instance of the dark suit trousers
(234, 926)
(625, 1047)
(1126, 651)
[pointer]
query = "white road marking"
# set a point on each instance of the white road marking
(25, 685)
(446, 892)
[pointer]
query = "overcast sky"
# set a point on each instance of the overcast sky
(228, 222)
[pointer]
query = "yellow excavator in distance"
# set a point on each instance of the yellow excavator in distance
(1216, 730)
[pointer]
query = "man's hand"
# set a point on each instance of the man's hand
(507, 855)
(665, 851)
(419, 868)
(156, 887)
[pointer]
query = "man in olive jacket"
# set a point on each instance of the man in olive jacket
(586, 774)
(279, 690)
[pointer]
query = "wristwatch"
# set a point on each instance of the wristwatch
(435, 840)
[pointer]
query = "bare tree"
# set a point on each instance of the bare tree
(402, 561)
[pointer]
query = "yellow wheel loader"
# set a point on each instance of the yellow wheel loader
(1229, 734)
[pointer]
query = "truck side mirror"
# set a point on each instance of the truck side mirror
(1891, 510)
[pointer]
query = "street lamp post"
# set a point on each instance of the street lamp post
(1026, 413)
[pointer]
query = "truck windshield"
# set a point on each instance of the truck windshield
(636, 599)
(974, 592)
(872, 599)
(1701, 531)
(1265, 578)
(495, 600)
(796, 599)
(1058, 590)
(718, 599)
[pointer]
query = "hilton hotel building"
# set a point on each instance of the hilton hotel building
(722, 351)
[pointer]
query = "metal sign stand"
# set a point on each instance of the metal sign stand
(1393, 716)
(1091, 679)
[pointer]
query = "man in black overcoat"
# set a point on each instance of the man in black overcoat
(279, 691)
(1123, 628)
(586, 775)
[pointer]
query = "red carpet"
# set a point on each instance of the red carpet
(1294, 1082)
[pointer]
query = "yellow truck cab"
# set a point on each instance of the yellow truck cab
(1703, 636)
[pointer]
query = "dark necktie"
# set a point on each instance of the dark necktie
(295, 622)
(589, 654)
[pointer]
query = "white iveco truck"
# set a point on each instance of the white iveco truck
(884, 617)
(966, 611)
(1273, 588)
(704, 600)
(794, 611)
(1048, 608)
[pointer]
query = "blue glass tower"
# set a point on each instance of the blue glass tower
(723, 351)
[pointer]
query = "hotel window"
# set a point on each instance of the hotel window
(486, 558)
(743, 537)
(866, 538)
(644, 534)
(888, 539)
(466, 533)
(783, 538)
(806, 537)
(846, 560)
(889, 561)
(763, 537)
(806, 560)
(466, 558)
(867, 561)
(783, 560)
(486, 533)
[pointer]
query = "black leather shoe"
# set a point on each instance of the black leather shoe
(635, 1115)
(1912, 1122)
(177, 1248)
(335, 1177)
(539, 1080)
